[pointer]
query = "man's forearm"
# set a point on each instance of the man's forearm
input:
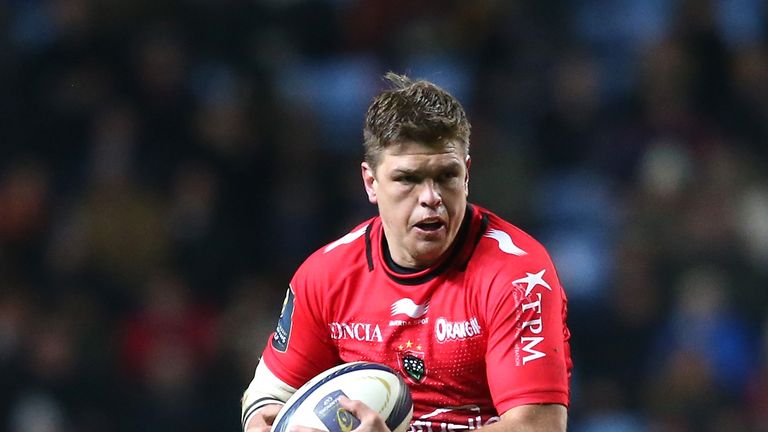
(531, 418)
(265, 389)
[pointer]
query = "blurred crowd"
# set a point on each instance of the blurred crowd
(165, 165)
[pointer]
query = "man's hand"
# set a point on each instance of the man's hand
(262, 420)
(370, 420)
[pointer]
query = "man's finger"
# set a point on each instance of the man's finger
(352, 406)
(358, 409)
(269, 412)
(297, 428)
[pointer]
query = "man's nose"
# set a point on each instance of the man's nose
(430, 195)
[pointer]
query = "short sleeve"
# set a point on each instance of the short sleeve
(300, 347)
(528, 356)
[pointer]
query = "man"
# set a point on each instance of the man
(467, 307)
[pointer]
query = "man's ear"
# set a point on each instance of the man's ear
(468, 162)
(369, 182)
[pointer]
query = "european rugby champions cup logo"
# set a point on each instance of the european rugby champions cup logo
(333, 415)
(283, 330)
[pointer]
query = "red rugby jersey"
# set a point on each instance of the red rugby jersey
(480, 332)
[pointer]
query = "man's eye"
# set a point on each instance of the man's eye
(408, 179)
(442, 178)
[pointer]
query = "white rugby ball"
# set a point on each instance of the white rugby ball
(316, 403)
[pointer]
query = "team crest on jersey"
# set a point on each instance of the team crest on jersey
(412, 363)
(283, 330)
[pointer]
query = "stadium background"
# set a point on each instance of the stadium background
(164, 165)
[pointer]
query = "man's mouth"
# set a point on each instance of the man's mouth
(430, 225)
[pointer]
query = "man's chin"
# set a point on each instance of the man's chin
(429, 253)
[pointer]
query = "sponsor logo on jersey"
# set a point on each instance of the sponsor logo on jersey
(348, 238)
(526, 351)
(283, 331)
(431, 422)
(505, 242)
(532, 280)
(410, 309)
(456, 330)
(412, 364)
(364, 332)
(406, 306)
(399, 323)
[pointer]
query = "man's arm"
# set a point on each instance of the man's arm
(528, 361)
(263, 398)
(531, 418)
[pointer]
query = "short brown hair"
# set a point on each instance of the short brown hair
(413, 111)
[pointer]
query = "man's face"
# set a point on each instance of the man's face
(421, 192)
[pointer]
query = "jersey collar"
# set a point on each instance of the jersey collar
(472, 228)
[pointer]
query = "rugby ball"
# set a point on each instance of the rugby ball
(316, 403)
